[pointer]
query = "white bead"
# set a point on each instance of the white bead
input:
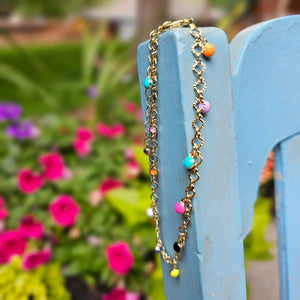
(149, 212)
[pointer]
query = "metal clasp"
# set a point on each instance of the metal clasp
(175, 24)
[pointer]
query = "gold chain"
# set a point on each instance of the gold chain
(151, 131)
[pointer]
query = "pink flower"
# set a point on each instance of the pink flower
(11, 243)
(82, 143)
(130, 107)
(109, 184)
(119, 257)
(35, 259)
(30, 228)
(93, 240)
(64, 210)
(54, 166)
(82, 148)
(133, 169)
(139, 114)
(111, 132)
(29, 182)
(68, 174)
(84, 135)
(129, 154)
(95, 197)
(120, 294)
(3, 210)
(115, 294)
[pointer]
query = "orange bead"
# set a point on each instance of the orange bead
(153, 172)
(209, 50)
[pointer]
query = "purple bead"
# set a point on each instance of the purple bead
(207, 107)
(152, 130)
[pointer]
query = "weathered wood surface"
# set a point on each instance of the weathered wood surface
(265, 61)
(246, 121)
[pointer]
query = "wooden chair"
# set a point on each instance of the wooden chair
(254, 90)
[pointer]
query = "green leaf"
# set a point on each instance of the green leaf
(25, 84)
(157, 291)
(256, 246)
(131, 203)
(142, 159)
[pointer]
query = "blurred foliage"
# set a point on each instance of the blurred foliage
(55, 77)
(53, 8)
(44, 283)
(51, 83)
(255, 244)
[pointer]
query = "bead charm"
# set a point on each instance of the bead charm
(179, 207)
(147, 82)
(153, 172)
(207, 107)
(157, 249)
(176, 247)
(174, 273)
(189, 162)
(209, 50)
(146, 151)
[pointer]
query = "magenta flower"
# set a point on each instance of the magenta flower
(29, 182)
(30, 228)
(120, 258)
(64, 210)
(82, 143)
(82, 148)
(11, 243)
(115, 294)
(35, 259)
(131, 107)
(111, 132)
(109, 184)
(84, 134)
(121, 294)
(10, 111)
(3, 211)
(139, 115)
(53, 165)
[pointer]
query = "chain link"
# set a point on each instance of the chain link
(151, 129)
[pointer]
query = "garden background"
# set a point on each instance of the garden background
(75, 216)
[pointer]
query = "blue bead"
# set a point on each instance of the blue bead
(157, 249)
(189, 162)
(147, 82)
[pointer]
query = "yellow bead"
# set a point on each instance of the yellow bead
(174, 273)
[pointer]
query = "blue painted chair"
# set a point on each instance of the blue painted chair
(254, 89)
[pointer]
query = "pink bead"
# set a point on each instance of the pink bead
(207, 107)
(179, 207)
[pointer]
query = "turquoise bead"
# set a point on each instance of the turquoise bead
(189, 162)
(147, 82)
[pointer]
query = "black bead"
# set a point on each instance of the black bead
(146, 151)
(176, 247)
